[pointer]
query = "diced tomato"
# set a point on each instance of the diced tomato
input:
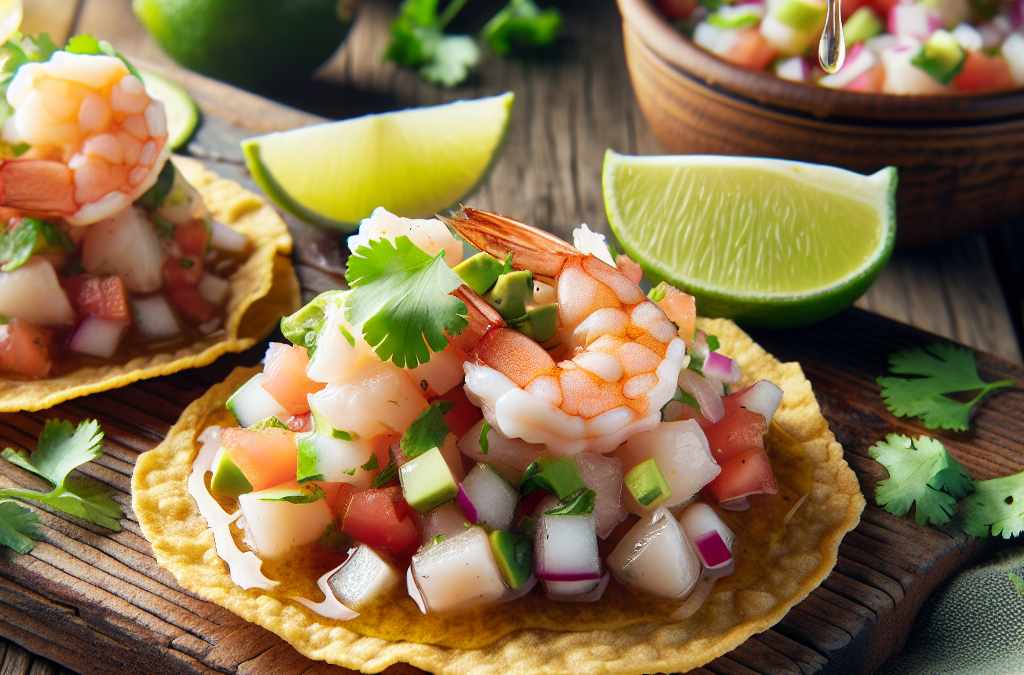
(751, 51)
(675, 10)
(371, 518)
(681, 309)
(194, 238)
(24, 349)
(284, 377)
(982, 72)
(190, 303)
(739, 431)
(464, 415)
(868, 82)
(187, 271)
(266, 458)
(339, 505)
(300, 423)
(104, 297)
(748, 473)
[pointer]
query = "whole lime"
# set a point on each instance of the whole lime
(252, 43)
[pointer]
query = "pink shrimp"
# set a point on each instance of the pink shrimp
(623, 355)
(97, 141)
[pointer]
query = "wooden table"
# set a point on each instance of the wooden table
(568, 111)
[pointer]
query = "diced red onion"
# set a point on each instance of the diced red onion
(762, 397)
(712, 549)
(915, 21)
(710, 402)
(738, 504)
(722, 368)
(97, 337)
(214, 288)
(466, 505)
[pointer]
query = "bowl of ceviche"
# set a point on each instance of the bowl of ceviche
(958, 145)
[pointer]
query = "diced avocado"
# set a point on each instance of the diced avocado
(647, 484)
(541, 323)
(252, 403)
(308, 464)
(427, 482)
(228, 479)
(514, 555)
(479, 272)
(511, 293)
(800, 14)
(301, 327)
(941, 56)
(325, 428)
(861, 25)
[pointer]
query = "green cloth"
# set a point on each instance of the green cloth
(974, 626)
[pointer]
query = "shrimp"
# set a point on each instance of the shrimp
(97, 140)
(623, 354)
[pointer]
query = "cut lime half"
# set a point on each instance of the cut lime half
(182, 112)
(413, 162)
(765, 242)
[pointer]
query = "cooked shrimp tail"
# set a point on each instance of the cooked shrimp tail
(532, 249)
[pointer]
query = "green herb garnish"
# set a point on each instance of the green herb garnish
(62, 448)
(579, 505)
(921, 471)
(400, 296)
(996, 507)
(940, 369)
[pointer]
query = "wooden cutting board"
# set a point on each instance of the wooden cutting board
(97, 602)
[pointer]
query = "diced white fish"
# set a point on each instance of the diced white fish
(33, 293)
(656, 557)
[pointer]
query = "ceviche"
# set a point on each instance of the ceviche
(893, 46)
(460, 431)
(108, 253)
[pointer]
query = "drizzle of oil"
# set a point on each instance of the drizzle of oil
(832, 47)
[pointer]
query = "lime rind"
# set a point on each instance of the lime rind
(767, 309)
(371, 134)
(182, 112)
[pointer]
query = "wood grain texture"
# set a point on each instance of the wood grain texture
(133, 618)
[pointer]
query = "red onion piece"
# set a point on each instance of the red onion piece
(710, 402)
(712, 549)
(97, 337)
(466, 505)
(722, 367)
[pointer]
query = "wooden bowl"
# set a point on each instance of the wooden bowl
(960, 157)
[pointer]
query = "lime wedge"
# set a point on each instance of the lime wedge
(413, 162)
(182, 112)
(765, 242)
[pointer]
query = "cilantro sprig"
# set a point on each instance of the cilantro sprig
(418, 40)
(996, 507)
(428, 431)
(62, 448)
(921, 472)
(400, 296)
(939, 369)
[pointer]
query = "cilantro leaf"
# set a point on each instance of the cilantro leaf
(921, 471)
(579, 505)
(371, 464)
(19, 525)
(941, 369)
(418, 41)
(30, 237)
(996, 507)
(521, 24)
(388, 473)
(63, 447)
(400, 296)
(427, 431)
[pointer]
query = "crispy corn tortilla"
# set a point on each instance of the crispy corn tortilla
(787, 545)
(262, 289)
